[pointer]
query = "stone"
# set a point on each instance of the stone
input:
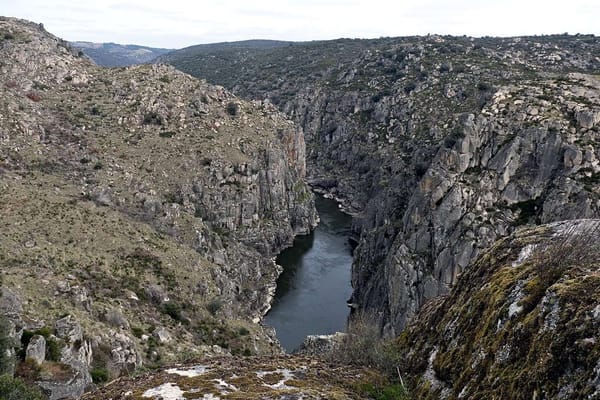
(10, 303)
(316, 345)
(36, 349)
(572, 157)
(116, 318)
(162, 335)
(69, 329)
(587, 119)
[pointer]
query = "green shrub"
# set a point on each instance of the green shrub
(99, 375)
(233, 108)
(153, 118)
(15, 389)
(173, 310)
(137, 331)
(395, 391)
(44, 331)
(214, 306)
(53, 349)
(243, 331)
(26, 338)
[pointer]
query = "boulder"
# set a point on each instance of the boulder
(587, 119)
(320, 344)
(162, 335)
(68, 328)
(36, 349)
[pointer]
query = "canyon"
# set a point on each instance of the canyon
(439, 145)
(143, 210)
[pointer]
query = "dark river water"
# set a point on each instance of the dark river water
(315, 284)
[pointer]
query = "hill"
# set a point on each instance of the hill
(118, 55)
(141, 211)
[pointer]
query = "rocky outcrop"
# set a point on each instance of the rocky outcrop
(138, 200)
(522, 322)
(36, 349)
(500, 173)
(319, 345)
(438, 145)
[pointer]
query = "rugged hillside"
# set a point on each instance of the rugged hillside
(523, 322)
(140, 212)
(118, 55)
(439, 145)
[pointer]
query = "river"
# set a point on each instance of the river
(315, 284)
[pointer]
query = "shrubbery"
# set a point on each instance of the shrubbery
(363, 345)
(99, 375)
(15, 389)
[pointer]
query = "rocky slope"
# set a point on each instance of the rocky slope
(523, 322)
(141, 210)
(438, 145)
(118, 55)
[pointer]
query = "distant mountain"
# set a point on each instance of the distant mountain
(118, 55)
(253, 44)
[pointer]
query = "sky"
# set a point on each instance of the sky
(180, 23)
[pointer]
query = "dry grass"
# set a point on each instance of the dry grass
(363, 345)
(577, 246)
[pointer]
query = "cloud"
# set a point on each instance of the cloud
(178, 23)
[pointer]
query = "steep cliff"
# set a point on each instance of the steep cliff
(141, 210)
(438, 145)
(523, 322)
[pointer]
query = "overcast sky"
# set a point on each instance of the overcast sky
(179, 23)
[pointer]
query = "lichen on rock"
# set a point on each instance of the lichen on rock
(483, 340)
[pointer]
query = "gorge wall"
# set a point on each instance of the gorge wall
(438, 145)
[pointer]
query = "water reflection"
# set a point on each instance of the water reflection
(312, 291)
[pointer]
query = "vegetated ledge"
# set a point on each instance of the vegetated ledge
(522, 323)
(252, 378)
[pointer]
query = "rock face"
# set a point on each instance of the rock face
(134, 199)
(521, 323)
(438, 145)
